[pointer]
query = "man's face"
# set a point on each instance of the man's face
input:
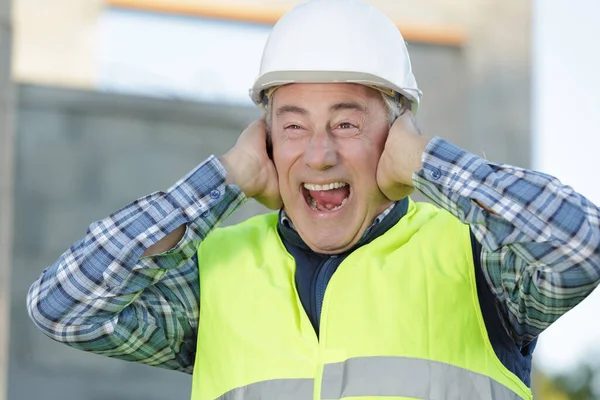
(327, 141)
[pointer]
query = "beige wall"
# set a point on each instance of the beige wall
(55, 41)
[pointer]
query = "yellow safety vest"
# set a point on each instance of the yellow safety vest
(400, 319)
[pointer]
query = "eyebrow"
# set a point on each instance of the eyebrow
(336, 107)
(348, 106)
(291, 109)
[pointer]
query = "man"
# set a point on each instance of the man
(351, 290)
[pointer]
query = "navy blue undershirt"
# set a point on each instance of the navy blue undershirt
(314, 270)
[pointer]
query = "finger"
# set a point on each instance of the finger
(407, 122)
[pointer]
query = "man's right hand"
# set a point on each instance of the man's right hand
(249, 167)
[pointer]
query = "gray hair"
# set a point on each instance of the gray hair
(394, 106)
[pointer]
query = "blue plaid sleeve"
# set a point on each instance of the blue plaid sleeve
(541, 244)
(101, 297)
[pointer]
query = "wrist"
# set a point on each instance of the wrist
(231, 176)
(420, 146)
(234, 175)
(414, 162)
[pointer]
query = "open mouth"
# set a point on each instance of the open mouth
(328, 197)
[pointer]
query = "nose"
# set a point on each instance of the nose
(321, 153)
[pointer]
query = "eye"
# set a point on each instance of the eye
(346, 125)
(294, 131)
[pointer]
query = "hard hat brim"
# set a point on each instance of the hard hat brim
(278, 78)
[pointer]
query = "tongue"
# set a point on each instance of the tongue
(330, 198)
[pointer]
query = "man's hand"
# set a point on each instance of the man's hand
(401, 157)
(249, 167)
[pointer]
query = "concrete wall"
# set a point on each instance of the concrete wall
(6, 185)
(80, 156)
(497, 62)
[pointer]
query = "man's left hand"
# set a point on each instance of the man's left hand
(401, 157)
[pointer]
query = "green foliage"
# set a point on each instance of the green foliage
(579, 384)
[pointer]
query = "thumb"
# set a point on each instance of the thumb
(271, 197)
(407, 123)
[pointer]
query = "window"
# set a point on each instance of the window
(172, 56)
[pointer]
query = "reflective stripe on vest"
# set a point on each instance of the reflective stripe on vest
(382, 376)
(408, 377)
(284, 389)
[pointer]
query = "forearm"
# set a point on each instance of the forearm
(529, 206)
(541, 242)
(94, 288)
(166, 243)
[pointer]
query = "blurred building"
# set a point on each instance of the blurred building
(6, 186)
(118, 99)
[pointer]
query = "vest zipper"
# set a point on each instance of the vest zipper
(323, 278)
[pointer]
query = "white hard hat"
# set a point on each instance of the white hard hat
(336, 41)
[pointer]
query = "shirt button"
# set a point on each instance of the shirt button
(436, 173)
(215, 194)
(206, 213)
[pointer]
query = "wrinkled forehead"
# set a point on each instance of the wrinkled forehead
(322, 91)
(324, 99)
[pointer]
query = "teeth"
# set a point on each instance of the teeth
(328, 186)
(341, 205)
(312, 203)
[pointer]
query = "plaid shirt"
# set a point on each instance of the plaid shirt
(541, 257)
